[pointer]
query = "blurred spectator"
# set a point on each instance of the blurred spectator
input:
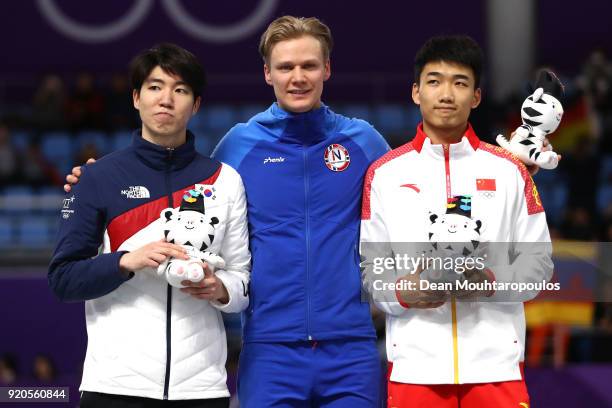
(88, 151)
(49, 104)
(85, 105)
(578, 225)
(581, 167)
(8, 157)
(36, 169)
(43, 369)
(603, 311)
(597, 83)
(8, 369)
(119, 108)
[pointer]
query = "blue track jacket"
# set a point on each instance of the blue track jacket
(303, 174)
(143, 176)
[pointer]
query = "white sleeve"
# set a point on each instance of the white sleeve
(375, 245)
(530, 246)
(235, 252)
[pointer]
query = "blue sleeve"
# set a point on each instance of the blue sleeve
(75, 272)
(235, 145)
(367, 137)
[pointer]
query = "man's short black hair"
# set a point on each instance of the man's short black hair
(459, 49)
(173, 60)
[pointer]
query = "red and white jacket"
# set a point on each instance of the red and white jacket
(458, 342)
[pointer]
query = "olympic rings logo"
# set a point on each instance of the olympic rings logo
(139, 10)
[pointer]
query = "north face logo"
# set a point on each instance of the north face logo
(136, 192)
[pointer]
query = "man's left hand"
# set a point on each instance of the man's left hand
(209, 288)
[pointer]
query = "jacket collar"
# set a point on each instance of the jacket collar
(307, 127)
(161, 158)
(469, 136)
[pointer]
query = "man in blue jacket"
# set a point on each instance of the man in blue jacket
(308, 336)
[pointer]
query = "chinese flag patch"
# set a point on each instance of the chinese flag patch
(485, 184)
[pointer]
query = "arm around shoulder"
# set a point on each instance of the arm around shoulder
(235, 251)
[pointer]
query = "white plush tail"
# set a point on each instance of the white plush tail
(516, 150)
(503, 142)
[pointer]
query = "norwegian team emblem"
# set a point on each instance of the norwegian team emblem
(337, 157)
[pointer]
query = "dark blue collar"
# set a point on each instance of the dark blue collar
(307, 127)
(162, 158)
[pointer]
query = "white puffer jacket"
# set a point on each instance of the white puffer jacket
(128, 328)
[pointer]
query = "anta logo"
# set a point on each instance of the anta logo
(273, 160)
(412, 186)
(136, 192)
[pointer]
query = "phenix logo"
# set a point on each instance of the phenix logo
(136, 192)
(273, 160)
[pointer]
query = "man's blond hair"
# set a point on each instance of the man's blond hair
(289, 28)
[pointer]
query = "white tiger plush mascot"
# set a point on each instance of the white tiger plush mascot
(455, 232)
(189, 227)
(452, 235)
(541, 114)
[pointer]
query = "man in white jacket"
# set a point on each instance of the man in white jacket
(462, 346)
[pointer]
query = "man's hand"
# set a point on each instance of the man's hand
(73, 178)
(151, 255)
(417, 298)
(209, 288)
(474, 276)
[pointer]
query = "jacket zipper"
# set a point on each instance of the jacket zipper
(453, 302)
(169, 288)
(307, 223)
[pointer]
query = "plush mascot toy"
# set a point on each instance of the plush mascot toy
(190, 227)
(541, 114)
(453, 235)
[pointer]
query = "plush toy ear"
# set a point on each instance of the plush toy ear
(214, 221)
(166, 214)
(433, 218)
(538, 94)
(478, 225)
